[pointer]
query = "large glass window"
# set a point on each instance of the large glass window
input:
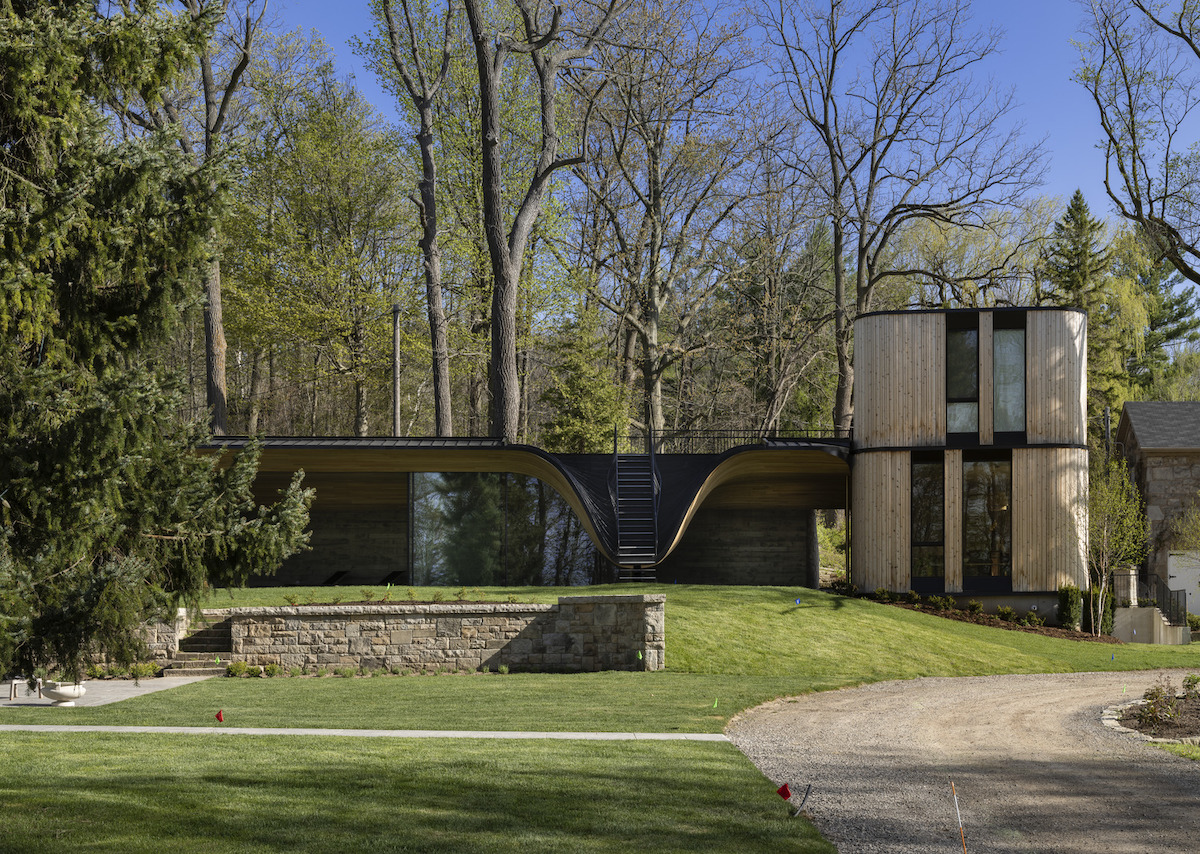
(962, 378)
(1008, 366)
(928, 523)
(987, 523)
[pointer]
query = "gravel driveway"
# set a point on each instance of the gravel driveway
(1034, 768)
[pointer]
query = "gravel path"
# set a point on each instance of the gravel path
(1034, 768)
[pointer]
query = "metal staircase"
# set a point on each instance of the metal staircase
(637, 522)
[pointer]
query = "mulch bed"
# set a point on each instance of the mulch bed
(996, 623)
(1186, 724)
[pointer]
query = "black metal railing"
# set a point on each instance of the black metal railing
(1173, 604)
(713, 441)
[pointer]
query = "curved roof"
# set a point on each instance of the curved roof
(808, 474)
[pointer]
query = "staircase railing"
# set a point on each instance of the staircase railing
(1173, 604)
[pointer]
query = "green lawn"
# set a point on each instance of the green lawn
(728, 648)
(101, 792)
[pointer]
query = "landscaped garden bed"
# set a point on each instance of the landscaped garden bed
(1167, 713)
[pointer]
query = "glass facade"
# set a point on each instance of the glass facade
(987, 523)
(1008, 366)
(486, 529)
(962, 380)
(928, 523)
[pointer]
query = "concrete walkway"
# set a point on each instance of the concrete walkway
(102, 692)
(218, 729)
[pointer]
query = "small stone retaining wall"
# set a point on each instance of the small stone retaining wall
(580, 633)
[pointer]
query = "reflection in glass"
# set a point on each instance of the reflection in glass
(472, 528)
(987, 519)
(962, 417)
(962, 364)
(1008, 347)
(928, 518)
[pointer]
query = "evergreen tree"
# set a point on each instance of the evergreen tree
(107, 513)
(1171, 310)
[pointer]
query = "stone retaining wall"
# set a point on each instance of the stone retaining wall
(162, 639)
(580, 633)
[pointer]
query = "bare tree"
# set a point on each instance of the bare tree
(664, 177)
(421, 60)
(1139, 65)
(204, 115)
(897, 131)
(550, 39)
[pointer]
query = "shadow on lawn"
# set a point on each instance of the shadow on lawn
(274, 794)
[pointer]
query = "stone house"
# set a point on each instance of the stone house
(1160, 442)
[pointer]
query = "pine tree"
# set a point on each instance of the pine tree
(107, 513)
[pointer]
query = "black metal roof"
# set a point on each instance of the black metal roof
(1164, 425)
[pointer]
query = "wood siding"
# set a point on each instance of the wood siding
(953, 523)
(881, 530)
(900, 380)
(1049, 520)
(986, 386)
(1056, 370)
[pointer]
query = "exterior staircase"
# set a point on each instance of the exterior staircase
(206, 652)
(637, 525)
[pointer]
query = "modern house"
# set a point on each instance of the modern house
(966, 474)
(969, 454)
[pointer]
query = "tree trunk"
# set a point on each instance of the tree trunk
(215, 347)
(258, 389)
(438, 336)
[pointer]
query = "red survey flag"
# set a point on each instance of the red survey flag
(221, 715)
(784, 792)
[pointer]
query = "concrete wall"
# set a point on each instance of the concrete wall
(1147, 625)
(580, 633)
(727, 545)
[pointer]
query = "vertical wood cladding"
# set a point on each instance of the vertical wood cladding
(986, 387)
(1050, 492)
(900, 380)
(954, 518)
(881, 532)
(1056, 405)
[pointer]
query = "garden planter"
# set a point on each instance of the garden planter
(63, 693)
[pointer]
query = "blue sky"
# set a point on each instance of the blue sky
(1037, 60)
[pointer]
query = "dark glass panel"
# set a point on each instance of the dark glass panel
(987, 519)
(962, 364)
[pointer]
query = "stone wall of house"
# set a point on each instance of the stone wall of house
(1169, 484)
(580, 633)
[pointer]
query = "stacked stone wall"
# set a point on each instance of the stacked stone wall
(1169, 484)
(579, 634)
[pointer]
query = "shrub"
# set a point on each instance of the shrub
(412, 595)
(94, 671)
(253, 670)
(1004, 612)
(367, 594)
(292, 599)
(322, 671)
(1106, 623)
(346, 672)
(941, 603)
(1033, 619)
(841, 585)
(502, 669)
(337, 600)
(1191, 687)
(461, 594)
(438, 596)
(273, 670)
(1070, 606)
(912, 597)
(296, 672)
(1193, 621)
(882, 594)
(144, 670)
(1159, 705)
(237, 668)
(974, 606)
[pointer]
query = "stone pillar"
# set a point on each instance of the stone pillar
(1125, 587)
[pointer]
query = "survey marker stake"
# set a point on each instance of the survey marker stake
(961, 834)
(803, 801)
